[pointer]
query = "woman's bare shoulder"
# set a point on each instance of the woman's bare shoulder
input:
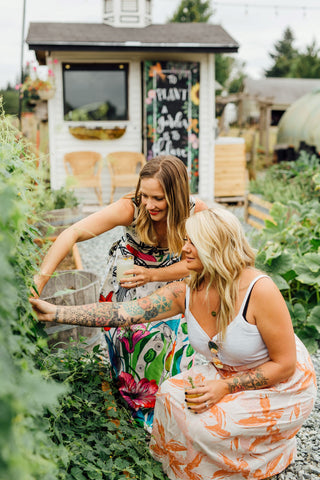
(200, 205)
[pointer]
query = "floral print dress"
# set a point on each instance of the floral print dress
(143, 356)
(246, 435)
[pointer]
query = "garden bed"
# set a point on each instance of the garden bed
(257, 211)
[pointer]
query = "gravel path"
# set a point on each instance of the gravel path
(307, 465)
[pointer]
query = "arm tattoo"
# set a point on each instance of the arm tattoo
(155, 307)
(252, 380)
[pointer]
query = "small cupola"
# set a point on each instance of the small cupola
(127, 13)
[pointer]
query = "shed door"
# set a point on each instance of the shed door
(171, 113)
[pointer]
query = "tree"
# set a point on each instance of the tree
(289, 62)
(237, 77)
(192, 11)
(10, 101)
(200, 11)
(223, 64)
(283, 57)
(307, 65)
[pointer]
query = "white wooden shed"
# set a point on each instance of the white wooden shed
(128, 85)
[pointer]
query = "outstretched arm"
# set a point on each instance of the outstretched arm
(118, 213)
(164, 303)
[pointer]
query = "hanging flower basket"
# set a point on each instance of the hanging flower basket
(46, 94)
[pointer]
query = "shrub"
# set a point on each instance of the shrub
(287, 181)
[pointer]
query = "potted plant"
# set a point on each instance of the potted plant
(60, 210)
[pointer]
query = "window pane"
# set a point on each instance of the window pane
(95, 92)
(108, 6)
(129, 5)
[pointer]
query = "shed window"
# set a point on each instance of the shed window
(129, 5)
(95, 91)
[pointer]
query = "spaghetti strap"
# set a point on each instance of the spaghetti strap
(187, 299)
(249, 291)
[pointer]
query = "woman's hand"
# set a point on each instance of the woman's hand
(141, 276)
(38, 285)
(45, 311)
(207, 395)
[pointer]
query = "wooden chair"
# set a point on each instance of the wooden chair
(84, 171)
(124, 169)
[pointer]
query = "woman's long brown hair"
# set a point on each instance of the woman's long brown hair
(172, 175)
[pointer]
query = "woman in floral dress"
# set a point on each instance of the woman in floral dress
(237, 416)
(143, 356)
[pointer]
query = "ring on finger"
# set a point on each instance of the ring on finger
(206, 404)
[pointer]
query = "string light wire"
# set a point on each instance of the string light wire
(247, 5)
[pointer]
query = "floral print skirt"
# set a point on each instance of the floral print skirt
(143, 356)
(247, 435)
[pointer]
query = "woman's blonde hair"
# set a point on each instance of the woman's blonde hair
(224, 252)
(173, 178)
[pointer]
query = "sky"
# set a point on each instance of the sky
(255, 24)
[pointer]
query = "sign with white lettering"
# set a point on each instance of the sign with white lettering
(171, 113)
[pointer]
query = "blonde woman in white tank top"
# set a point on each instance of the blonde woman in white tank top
(239, 417)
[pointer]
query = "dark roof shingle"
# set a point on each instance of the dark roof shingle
(192, 37)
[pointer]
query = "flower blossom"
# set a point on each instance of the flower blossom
(137, 395)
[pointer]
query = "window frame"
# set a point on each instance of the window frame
(94, 66)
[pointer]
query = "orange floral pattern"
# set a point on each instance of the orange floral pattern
(247, 435)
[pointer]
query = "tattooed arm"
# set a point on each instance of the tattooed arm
(164, 303)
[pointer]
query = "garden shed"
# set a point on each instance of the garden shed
(128, 85)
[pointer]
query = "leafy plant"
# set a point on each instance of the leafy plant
(99, 437)
(289, 250)
(26, 450)
(286, 181)
(62, 198)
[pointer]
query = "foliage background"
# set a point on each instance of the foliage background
(56, 420)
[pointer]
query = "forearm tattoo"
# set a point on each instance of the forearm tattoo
(108, 314)
(252, 380)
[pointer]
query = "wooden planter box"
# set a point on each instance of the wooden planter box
(55, 221)
(257, 211)
(230, 172)
(73, 259)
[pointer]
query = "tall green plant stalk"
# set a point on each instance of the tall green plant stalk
(26, 450)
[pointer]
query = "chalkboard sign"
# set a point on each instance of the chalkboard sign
(171, 113)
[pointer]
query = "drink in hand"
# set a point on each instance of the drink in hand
(123, 264)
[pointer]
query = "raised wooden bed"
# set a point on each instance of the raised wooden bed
(257, 211)
(73, 259)
(230, 172)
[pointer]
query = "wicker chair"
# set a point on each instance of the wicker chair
(124, 169)
(84, 171)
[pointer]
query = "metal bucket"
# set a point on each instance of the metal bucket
(72, 287)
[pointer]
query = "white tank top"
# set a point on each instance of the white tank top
(243, 344)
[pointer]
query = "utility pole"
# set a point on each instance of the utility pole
(21, 61)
